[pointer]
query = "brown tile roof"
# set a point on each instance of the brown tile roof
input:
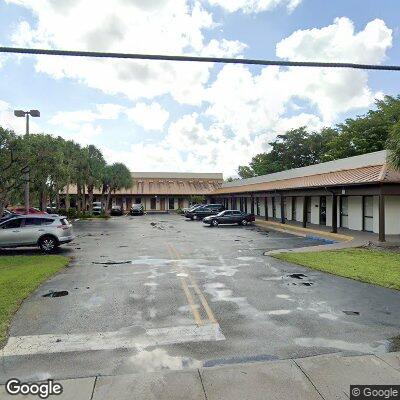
(369, 174)
(167, 186)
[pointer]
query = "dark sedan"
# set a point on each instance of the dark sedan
(200, 213)
(229, 217)
(136, 209)
(116, 210)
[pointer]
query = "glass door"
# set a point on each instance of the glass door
(344, 211)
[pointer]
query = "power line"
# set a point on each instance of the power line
(161, 57)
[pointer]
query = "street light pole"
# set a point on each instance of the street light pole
(26, 194)
(26, 114)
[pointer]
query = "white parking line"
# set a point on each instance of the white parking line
(122, 339)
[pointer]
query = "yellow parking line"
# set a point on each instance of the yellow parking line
(189, 296)
(203, 300)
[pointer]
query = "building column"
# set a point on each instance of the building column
(382, 235)
(334, 213)
(252, 204)
(266, 208)
(283, 220)
(305, 202)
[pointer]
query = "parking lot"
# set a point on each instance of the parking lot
(153, 292)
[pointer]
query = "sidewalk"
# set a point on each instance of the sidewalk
(321, 377)
(332, 241)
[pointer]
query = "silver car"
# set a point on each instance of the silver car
(46, 231)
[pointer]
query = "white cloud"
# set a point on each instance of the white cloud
(254, 6)
(158, 26)
(338, 42)
(74, 119)
(149, 116)
(250, 103)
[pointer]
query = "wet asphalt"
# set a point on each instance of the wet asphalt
(161, 292)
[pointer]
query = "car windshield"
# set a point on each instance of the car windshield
(221, 214)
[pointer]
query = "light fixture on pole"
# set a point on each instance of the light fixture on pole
(32, 113)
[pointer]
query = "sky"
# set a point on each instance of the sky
(192, 117)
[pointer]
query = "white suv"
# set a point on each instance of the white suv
(45, 231)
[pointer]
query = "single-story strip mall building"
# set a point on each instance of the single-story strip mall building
(361, 193)
(162, 191)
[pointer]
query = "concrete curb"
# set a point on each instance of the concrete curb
(305, 232)
(326, 376)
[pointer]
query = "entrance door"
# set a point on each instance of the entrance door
(308, 200)
(344, 211)
(153, 203)
(368, 213)
(322, 210)
(294, 216)
(162, 203)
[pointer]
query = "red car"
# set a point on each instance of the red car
(22, 210)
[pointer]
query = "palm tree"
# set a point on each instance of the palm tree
(116, 177)
(94, 170)
(72, 152)
(394, 146)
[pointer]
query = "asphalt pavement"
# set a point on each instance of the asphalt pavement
(158, 292)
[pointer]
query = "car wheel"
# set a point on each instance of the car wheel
(214, 222)
(244, 222)
(48, 244)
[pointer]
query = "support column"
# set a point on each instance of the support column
(266, 207)
(382, 235)
(252, 204)
(305, 202)
(283, 220)
(334, 213)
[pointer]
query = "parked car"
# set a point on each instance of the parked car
(137, 209)
(200, 212)
(216, 207)
(116, 210)
(6, 215)
(229, 217)
(46, 231)
(52, 208)
(22, 210)
(97, 208)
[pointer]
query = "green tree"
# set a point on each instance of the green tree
(94, 165)
(394, 146)
(116, 177)
(13, 164)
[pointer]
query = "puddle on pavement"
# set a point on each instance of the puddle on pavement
(352, 312)
(239, 360)
(373, 348)
(159, 359)
(111, 262)
(60, 293)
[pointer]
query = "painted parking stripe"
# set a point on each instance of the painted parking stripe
(188, 294)
(121, 339)
(203, 300)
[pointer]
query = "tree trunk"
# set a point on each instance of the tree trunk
(78, 197)
(84, 208)
(43, 200)
(2, 206)
(90, 197)
(58, 200)
(107, 207)
(67, 198)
